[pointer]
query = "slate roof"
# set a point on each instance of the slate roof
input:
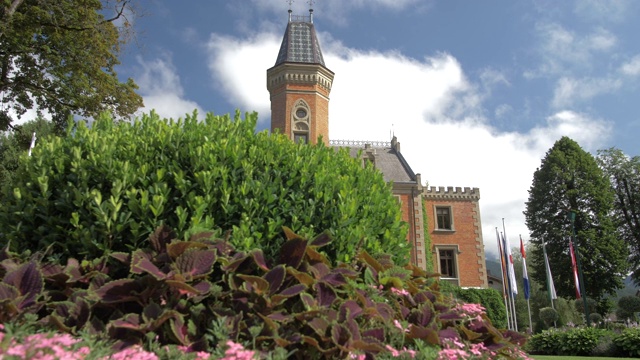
(390, 162)
(300, 44)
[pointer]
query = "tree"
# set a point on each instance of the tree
(104, 189)
(628, 307)
(569, 180)
(624, 173)
(60, 57)
(16, 143)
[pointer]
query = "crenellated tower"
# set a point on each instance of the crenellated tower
(299, 84)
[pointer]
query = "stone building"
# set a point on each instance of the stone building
(299, 85)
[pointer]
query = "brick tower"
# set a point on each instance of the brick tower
(299, 84)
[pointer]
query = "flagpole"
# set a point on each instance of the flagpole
(572, 216)
(525, 275)
(504, 279)
(551, 289)
(511, 279)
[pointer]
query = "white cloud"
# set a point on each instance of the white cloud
(161, 89)
(563, 51)
(569, 91)
(434, 111)
(603, 10)
(632, 67)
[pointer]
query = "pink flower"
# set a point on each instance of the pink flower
(399, 292)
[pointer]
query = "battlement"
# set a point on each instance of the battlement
(360, 143)
(450, 192)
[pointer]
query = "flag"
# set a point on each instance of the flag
(525, 276)
(33, 142)
(510, 271)
(550, 287)
(575, 269)
(503, 266)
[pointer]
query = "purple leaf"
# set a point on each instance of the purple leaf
(196, 262)
(177, 248)
(235, 262)
(256, 284)
(319, 325)
(385, 311)
(121, 256)
(129, 321)
(309, 301)
(349, 310)
(203, 287)
(293, 291)
(258, 257)
(141, 263)
(161, 237)
(28, 280)
(275, 278)
(279, 316)
(326, 294)
(340, 335)
(292, 252)
(421, 316)
(118, 291)
(319, 270)
(321, 240)
(334, 279)
(377, 333)
(8, 292)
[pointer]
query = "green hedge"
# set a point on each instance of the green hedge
(106, 187)
(489, 298)
(586, 341)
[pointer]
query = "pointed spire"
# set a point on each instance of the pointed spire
(290, 11)
(311, 2)
(300, 43)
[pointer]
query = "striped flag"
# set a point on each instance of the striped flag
(550, 287)
(574, 266)
(505, 286)
(525, 276)
(510, 271)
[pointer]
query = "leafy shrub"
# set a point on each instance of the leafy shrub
(574, 341)
(489, 298)
(595, 318)
(628, 342)
(201, 293)
(548, 315)
(106, 188)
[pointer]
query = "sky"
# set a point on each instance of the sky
(475, 91)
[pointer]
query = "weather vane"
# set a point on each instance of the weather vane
(290, 3)
(311, 2)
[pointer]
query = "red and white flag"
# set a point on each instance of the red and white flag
(575, 269)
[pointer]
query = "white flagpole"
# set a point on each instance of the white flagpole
(33, 142)
(513, 284)
(504, 284)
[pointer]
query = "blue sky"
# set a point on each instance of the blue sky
(476, 91)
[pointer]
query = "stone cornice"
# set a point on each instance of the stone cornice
(299, 73)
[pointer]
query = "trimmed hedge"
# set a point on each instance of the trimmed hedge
(106, 188)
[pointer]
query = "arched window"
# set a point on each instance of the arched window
(300, 117)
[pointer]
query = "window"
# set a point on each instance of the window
(300, 138)
(447, 263)
(447, 260)
(443, 218)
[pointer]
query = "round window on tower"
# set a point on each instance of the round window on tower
(301, 113)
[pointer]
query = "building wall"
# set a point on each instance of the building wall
(466, 235)
(410, 198)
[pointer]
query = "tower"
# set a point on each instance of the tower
(299, 84)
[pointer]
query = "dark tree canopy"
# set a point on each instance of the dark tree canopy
(624, 174)
(569, 179)
(60, 56)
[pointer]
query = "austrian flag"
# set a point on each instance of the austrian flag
(575, 269)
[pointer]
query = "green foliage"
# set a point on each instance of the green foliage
(628, 306)
(200, 292)
(489, 298)
(574, 342)
(624, 174)
(106, 188)
(548, 315)
(427, 238)
(16, 143)
(628, 342)
(570, 180)
(60, 56)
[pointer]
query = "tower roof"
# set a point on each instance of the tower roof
(300, 43)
